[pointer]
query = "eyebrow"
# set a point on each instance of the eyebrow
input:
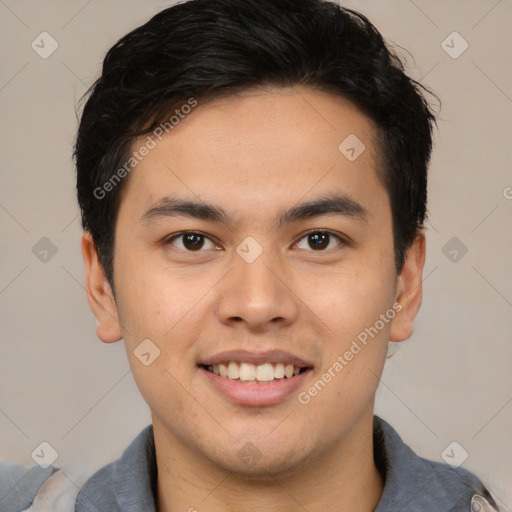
(338, 204)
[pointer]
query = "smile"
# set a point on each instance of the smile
(254, 392)
(255, 374)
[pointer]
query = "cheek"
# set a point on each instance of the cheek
(353, 298)
(147, 299)
(156, 314)
(355, 346)
(169, 308)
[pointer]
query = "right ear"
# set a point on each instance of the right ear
(99, 293)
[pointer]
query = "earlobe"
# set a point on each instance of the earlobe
(409, 290)
(99, 293)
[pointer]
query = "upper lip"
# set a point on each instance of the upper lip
(256, 358)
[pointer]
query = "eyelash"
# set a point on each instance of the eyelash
(343, 241)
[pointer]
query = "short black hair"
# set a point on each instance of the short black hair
(206, 48)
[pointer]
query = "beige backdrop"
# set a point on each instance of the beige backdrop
(451, 382)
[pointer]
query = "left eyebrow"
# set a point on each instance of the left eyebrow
(338, 204)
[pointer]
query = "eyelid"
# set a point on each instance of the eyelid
(168, 239)
(344, 241)
(341, 238)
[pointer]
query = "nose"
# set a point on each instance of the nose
(257, 296)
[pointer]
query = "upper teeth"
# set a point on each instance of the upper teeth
(250, 372)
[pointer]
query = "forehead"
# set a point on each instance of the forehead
(261, 148)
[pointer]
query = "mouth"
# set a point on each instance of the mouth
(248, 373)
(255, 379)
(247, 384)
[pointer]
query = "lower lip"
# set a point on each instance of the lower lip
(253, 394)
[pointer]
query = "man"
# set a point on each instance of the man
(252, 177)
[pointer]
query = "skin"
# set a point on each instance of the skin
(255, 154)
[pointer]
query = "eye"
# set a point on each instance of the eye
(191, 241)
(320, 240)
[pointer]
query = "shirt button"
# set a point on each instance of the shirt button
(480, 504)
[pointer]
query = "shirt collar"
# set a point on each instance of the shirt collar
(415, 484)
(410, 482)
(134, 475)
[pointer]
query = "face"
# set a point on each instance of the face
(262, 272)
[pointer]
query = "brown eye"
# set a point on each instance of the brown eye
(190, 241)
(320, 240)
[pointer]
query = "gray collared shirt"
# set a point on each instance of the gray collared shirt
(411, 483)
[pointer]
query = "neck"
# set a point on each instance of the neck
(342, 478)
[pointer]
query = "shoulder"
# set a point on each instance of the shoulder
(98, 491)
(19, 485)
(417, 484)
(28, 489)
(125, 484)
(457, 486)
(37, 489)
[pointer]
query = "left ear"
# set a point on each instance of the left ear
(409, 290)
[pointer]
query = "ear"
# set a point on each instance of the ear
(99, 293)
(409, 290)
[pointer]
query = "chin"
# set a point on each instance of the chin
(261, 464)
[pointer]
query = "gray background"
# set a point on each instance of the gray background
(450, 382)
